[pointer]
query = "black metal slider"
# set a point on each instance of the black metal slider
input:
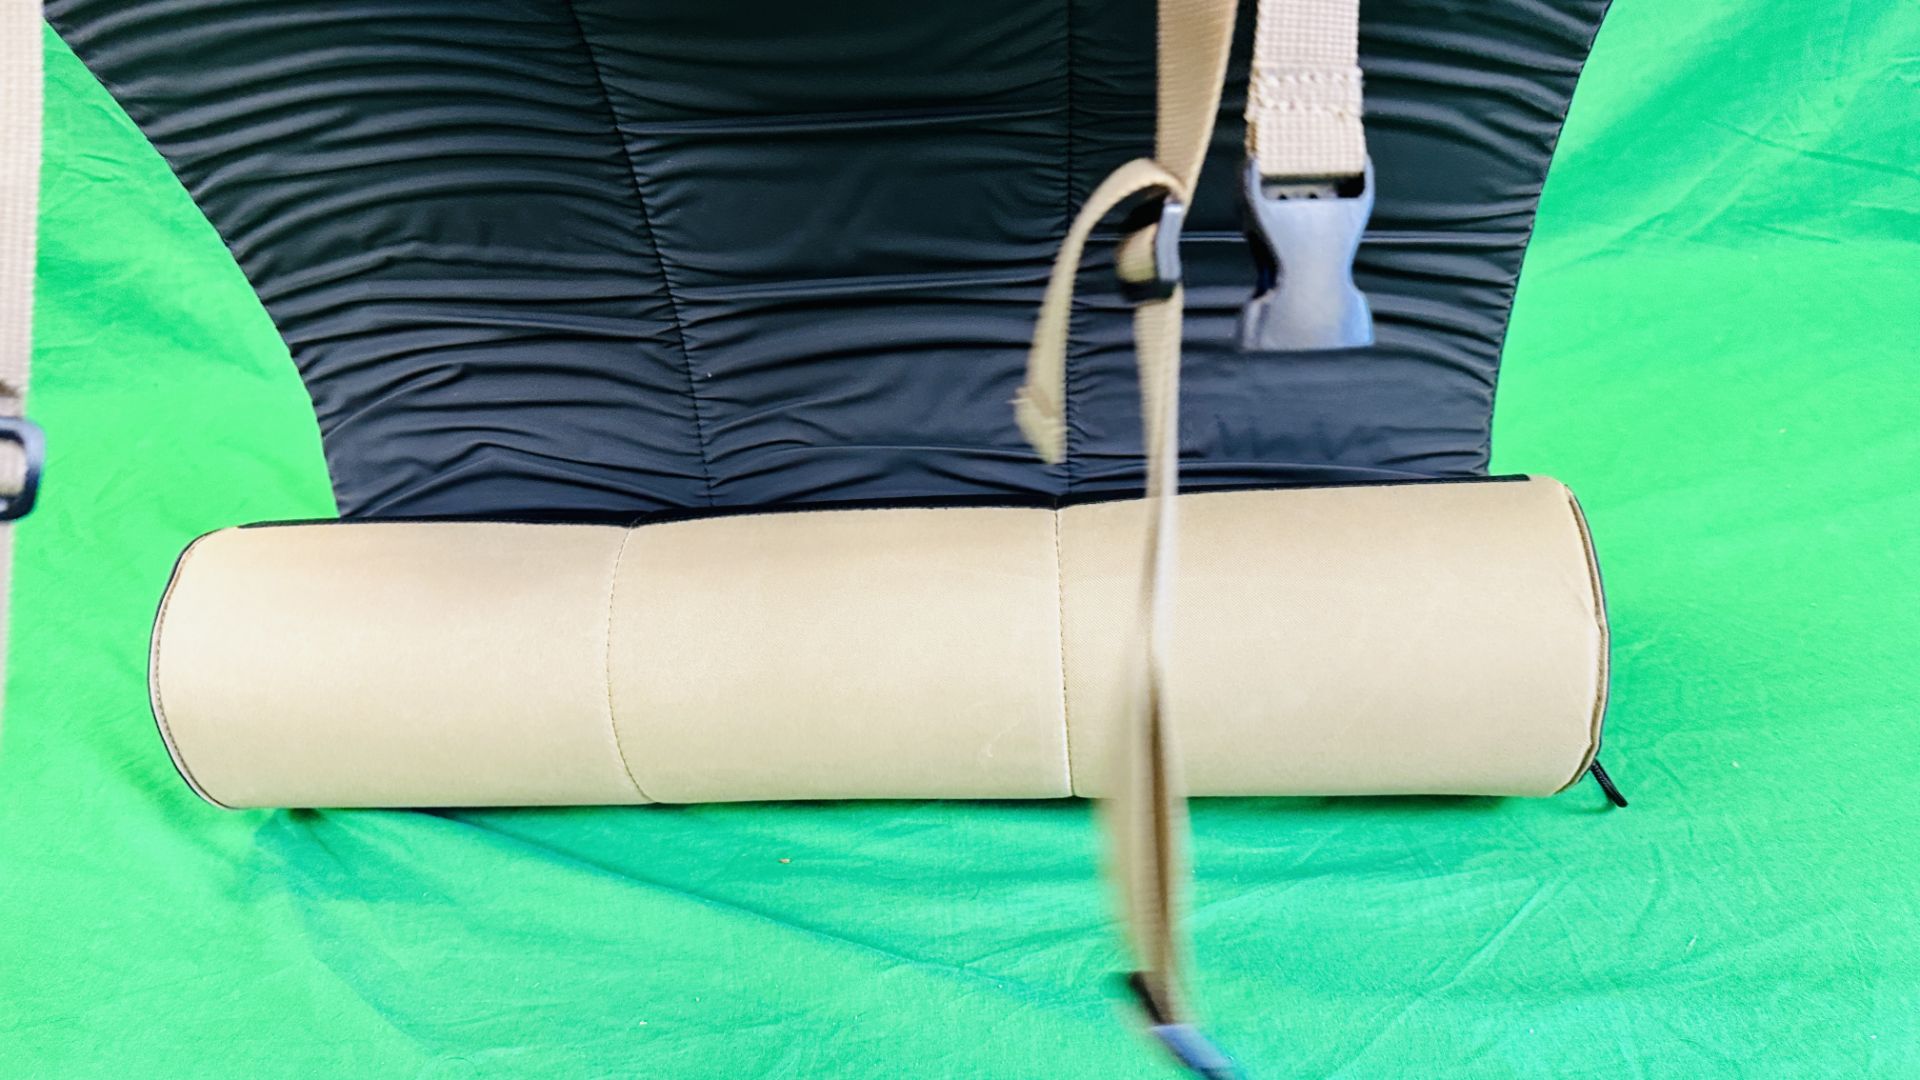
(1165, 215)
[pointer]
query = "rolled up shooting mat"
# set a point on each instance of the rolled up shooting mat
(1443, 638)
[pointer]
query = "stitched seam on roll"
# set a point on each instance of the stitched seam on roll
(153, 677)
(613, 720)
(1060, 610)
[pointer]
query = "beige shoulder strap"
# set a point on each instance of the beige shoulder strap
(20, 441)
(1303, 103)
(1147, 809)
(1303, 121)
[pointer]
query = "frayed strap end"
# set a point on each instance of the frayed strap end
(1044, 427)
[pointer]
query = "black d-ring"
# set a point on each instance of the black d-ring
(32, 441)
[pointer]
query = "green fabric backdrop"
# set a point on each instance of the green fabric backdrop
(1714, 344)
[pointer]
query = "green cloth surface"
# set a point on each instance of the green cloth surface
(1714, 344)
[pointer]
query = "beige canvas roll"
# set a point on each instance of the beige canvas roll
(1415, 638)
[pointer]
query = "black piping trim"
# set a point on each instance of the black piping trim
(962, 502)
(155, 706)
(1533, 219)
(1605, 689)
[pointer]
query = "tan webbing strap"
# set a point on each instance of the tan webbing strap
(1303, 104)
(1147, 811)
(20, 103)
(1040, 406)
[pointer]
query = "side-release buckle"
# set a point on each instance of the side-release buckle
(1304, 241)
(32, 441)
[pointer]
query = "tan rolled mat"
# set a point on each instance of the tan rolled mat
(1443, 638)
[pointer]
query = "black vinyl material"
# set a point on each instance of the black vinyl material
(596, 258)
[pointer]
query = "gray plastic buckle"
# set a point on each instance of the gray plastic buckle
(1304, 242)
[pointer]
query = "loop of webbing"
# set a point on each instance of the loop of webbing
(20, 104)
(20, 97)
(1147, 804)
(1040, 406)
(13, 467)
(1303, 121)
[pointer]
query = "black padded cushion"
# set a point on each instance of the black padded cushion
(601, 258)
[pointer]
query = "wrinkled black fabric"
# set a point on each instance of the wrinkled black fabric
(598, 258)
